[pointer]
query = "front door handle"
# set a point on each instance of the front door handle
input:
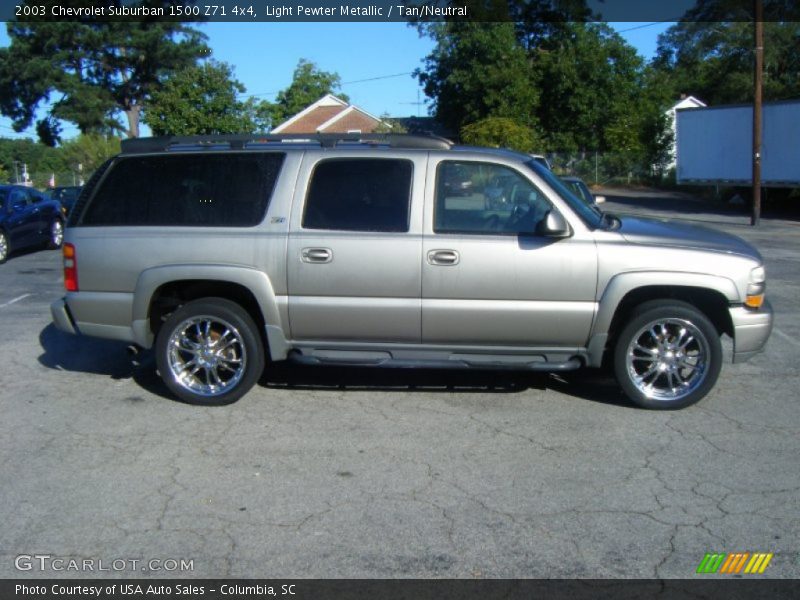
(316, 255)
(443, 258)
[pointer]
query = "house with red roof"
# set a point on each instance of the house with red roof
(330, 114)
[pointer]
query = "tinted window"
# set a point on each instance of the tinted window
(473, 197)
(213, 190)
(359, 195)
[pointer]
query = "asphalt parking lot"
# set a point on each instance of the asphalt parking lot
(361, 473)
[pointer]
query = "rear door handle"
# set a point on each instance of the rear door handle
(316, 255)
(443, 258)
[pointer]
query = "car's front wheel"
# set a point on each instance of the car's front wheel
(668, 355)
(209, 352)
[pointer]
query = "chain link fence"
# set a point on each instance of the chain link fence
(608, 168)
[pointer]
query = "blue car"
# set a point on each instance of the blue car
(28, 218)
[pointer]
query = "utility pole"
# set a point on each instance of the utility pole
(758, 75)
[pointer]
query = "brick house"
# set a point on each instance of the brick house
(330, 114)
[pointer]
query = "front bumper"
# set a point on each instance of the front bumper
(61, 316)
(751, 329)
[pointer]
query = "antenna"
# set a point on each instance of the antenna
(418, 102)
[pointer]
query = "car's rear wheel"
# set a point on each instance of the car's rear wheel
(56, 234)
(4, 248)
(209, 352)
(668, 356)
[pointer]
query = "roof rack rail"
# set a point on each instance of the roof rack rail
(325, 140)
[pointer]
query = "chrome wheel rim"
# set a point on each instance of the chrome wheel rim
(3, 246)
(206, 356)
(57, 233)
(667, 359)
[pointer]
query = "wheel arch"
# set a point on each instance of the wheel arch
(710, 294)
(160, 290)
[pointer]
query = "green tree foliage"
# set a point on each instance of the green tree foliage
(500, 132)
(201, 100)
(714, 61)
(577, 84)
(37, 156)
(478, 70)
(89, 150)
(309, 84)
(590, 80)
(90, 71)
(389, 125)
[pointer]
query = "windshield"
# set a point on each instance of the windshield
(591, 215)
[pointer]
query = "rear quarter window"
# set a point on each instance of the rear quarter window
(212, 190)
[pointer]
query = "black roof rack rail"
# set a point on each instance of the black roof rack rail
(326, 140)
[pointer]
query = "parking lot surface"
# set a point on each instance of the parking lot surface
(368, 473)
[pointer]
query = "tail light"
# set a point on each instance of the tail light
(70, 268)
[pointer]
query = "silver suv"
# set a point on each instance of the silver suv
(226, 252)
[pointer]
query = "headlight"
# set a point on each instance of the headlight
(756, 287)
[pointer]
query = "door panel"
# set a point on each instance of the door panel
(356, 284)
(508, 285)
(22, 225)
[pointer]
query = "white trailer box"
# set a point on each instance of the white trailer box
(715, 145)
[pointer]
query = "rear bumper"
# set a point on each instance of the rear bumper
(751, 330)
(62, 317)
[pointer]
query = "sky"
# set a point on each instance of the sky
(374, 60)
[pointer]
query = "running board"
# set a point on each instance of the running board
(460, 361)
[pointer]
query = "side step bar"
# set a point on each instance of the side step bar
(461, 363)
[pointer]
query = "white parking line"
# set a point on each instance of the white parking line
(17, 299)
(787, 337)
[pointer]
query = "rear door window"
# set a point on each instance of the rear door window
(214, 190)
(360, 194)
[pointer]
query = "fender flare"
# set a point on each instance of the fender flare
(621, 285)
(254, 280)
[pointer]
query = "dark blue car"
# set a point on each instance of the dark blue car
(28, 218)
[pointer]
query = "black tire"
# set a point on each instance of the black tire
(675, 355)
(5, 247)
(212, 377)
(56, 236)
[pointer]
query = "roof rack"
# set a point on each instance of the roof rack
(242, 141)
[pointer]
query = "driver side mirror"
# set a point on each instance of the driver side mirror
(554, 225)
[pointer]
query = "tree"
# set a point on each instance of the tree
(500, 132)
(89, 70)
(37, 157)
(590, 80)
(201, 100)
(309, 84)
(389, 125)
(89, 151)
(478, 70)
(714, 61)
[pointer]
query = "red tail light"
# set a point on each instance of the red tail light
(70, 268)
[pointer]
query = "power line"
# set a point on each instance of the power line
(343, 83)
(646, 25)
